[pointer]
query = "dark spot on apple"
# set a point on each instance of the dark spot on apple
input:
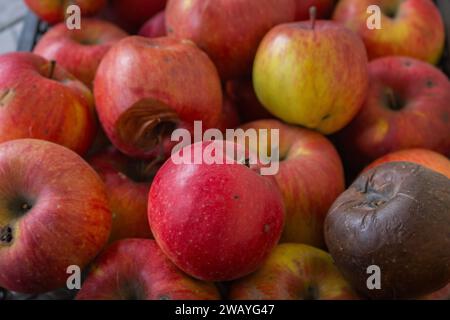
(326, 117)
(446, 117)
(169, 29)
(6, 235)
(235, 197)
(266, 228)
(164, 297)
(407, 63)
(430, 84)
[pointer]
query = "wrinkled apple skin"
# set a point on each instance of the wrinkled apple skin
(294, 272)
(303, 75)
(229, 31)
(136, 269)
(68, 221)
(324, 9)
(33, 104)
(216, 222)
(79, 51)
(310, 178)
(417, 30)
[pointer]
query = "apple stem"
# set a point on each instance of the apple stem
(52, 69)
(392, 100)
(313, 16)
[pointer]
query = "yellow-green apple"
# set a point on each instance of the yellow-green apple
(216, 220)
(242, 94)
(136, 269)
(294, 271)
(39, 99)
(407, 107)
(427, 158)
(54, 11)
(127, 184)
(407, 27)
(229, 31)
(155, 27)
(79, 51)
(53, 214)
(310, 178)
(324, 9)
(144, 88)
(395, 219)
(311, 73)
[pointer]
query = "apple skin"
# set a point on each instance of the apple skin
(311, 67)
(229, 31)
(420, 117)
(62, 216)
(427, 158)
(155, 27)
(324, 9)
(216, 222)
(136, 269)
(127, 186)
(35, 104)
(310, 178)
(294, 271)
(416, 31)
(79, 51)
(442, 294)
(144, 89)
(230, 118)
(54, 11)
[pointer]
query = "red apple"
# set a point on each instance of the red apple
(310, 178)
(442, 294)
(230, 118)
(324, 8)
(311, 73)
(79, 51)
(243, 95)
(294, 272)
(136, 269)
(216, 222)
(407, 107)
(54, 11)
(127, 185)
(53, 214)
(145, 88)
(132, 14)
(408, 27)
(39, 99)
(427, 158)
(155, 27)
(229, 31)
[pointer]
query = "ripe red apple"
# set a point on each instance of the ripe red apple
(132, 14)
(127, 184)
(407, 107)
(54, 11)
(311, 73)
(294, 272)
(230, 118)
(155, 27)
(324, 9)
(408, 27)
(216, 222)
(145, 88)
(427, 158)
(310, 178)
(242, 94)
(229, 31)
(39, 99)
(53, 214)
(79, 51)
(136, 269)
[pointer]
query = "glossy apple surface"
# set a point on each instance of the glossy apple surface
(155, 27)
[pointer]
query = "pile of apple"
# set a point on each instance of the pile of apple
(86, 177)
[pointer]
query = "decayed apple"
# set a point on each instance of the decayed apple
(407, 107)
(145, 88)
(229, 31)
(39, 99)
(324, 9)
(312, 73)
(79, 51)
(408, 27)
(155, 27)
(136, 269)
(294, 272)
(54, 11)
(53, 214)
(427, 158)
(127, 184)
(216, 222)
(310, 178)
(396, 217)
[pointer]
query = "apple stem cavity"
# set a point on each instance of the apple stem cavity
(6, 235)
(393, 101)
(313, 16)
(52, 69)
